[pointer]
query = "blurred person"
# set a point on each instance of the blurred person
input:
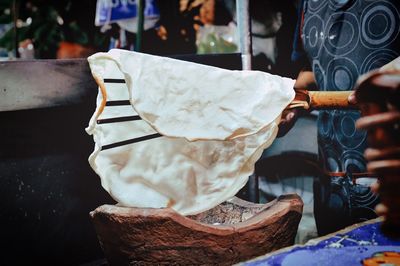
(337, 41)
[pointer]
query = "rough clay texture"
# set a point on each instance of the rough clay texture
(139, 236)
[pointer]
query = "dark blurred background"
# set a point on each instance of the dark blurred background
(47, 186)
(66, 29)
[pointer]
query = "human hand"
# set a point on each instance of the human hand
(382, 77)
(288, 120)
(378, 95)
(352, 98)
(304, 80)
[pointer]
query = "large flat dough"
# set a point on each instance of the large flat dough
(214, 123)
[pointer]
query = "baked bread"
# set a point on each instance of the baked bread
(170, 133)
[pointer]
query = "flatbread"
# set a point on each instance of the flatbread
(196, 134)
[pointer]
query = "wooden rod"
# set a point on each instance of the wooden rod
(330, 100)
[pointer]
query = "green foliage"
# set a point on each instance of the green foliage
(214, 44)
(51, 23)
(5, 11)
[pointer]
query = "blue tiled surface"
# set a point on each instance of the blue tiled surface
(342, 249)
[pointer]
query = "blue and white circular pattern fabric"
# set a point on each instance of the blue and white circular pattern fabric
(344, 39)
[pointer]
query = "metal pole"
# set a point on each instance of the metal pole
(139, 32)
(253, 189)
(244, 27)
(14, 10)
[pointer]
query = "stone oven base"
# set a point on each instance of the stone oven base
(234, 231)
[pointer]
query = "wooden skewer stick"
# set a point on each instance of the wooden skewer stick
(330, 99)
(321, 100)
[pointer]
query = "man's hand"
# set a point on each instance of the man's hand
(352, 98)
(288, 120)
(378, 95)
(386, 76)
(305, 80)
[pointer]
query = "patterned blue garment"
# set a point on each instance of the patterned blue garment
(344, 39)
